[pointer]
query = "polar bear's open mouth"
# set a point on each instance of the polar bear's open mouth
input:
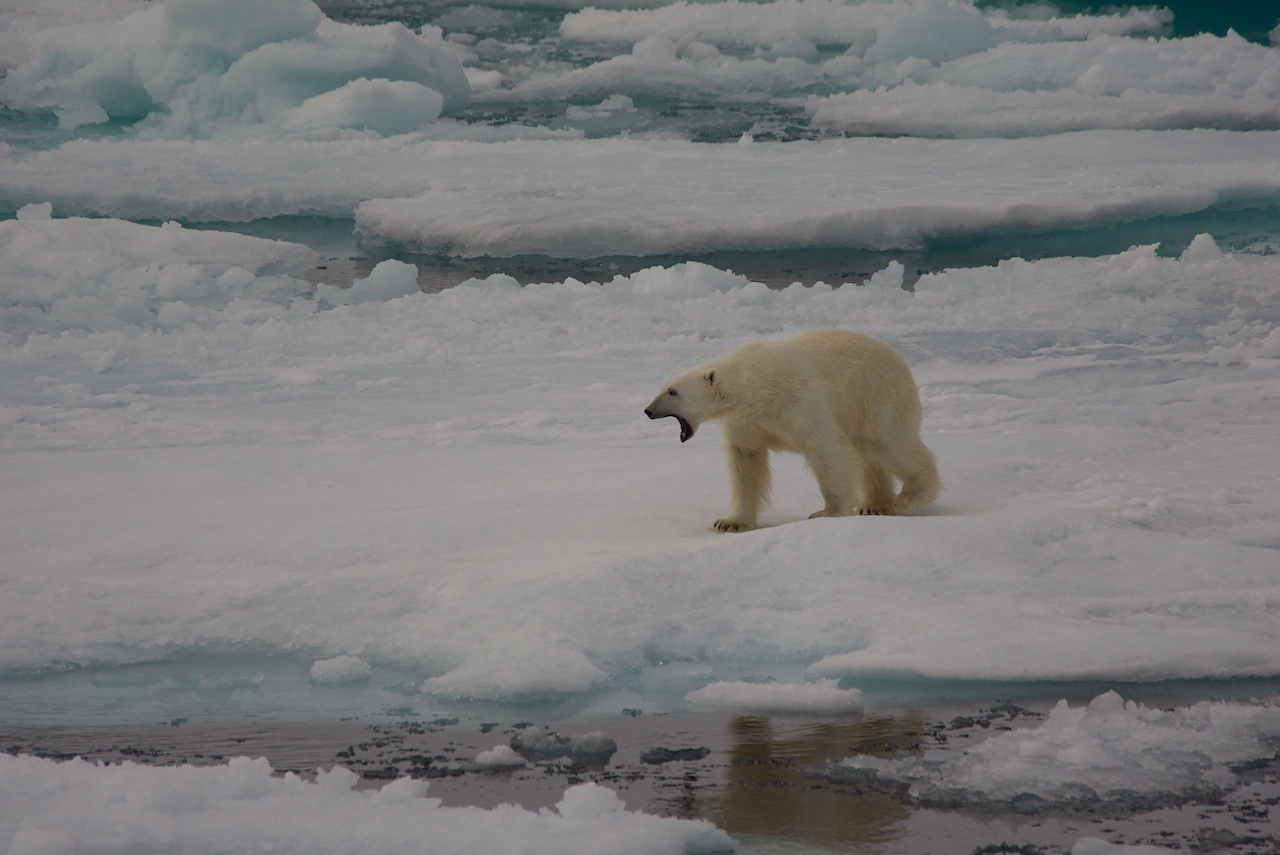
(686, 429)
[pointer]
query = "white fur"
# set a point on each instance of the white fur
(845, 401)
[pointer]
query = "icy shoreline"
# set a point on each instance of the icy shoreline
(719, 764)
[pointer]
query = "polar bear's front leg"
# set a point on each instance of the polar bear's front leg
(748, 485)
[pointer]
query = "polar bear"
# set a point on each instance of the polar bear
(845, 401)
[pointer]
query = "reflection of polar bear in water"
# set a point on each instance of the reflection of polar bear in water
(845, 401)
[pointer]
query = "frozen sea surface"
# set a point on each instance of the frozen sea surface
(1104, 426)
(261, 468)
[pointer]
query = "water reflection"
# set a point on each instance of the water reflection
(764, 792)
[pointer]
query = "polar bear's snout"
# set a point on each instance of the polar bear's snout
(654, 411)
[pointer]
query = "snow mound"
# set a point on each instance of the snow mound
(823, 697)
(500, 757)
(201, 68)
(1110, 750)
(243, 807)
(389, 280)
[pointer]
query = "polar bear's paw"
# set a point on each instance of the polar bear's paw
(870, 511)
(731, 524)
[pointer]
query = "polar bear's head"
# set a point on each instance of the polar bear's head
(691, 398)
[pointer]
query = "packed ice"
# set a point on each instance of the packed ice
(192, 69)
(197, 68)
(1110, 751)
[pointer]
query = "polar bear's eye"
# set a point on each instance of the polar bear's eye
(672, 392)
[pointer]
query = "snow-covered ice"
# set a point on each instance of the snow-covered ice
(80, 807)
(620, 197)
(590, 198)
(472, 468)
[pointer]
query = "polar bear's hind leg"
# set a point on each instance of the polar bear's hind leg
(838, 469)
(920, 482)
(877, 491)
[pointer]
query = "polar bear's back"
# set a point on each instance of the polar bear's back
(863, 379)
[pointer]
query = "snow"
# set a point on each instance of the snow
(1110, 750)
(824, 697)
(76, 807)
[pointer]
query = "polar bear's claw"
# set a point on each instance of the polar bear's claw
(731, 525)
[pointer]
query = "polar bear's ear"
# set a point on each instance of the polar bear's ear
(711, 377)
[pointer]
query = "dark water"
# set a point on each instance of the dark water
(1253, 19)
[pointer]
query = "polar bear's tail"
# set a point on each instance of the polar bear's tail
(920, 482)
